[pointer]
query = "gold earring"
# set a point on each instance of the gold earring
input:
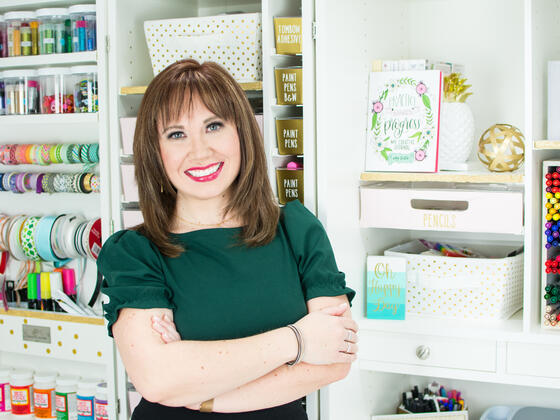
(161, 188)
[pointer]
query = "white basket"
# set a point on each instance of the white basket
(234, 41)
(466, 288)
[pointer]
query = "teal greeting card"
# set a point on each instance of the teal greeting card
(386, 288)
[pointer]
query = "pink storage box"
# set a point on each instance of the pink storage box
(129, 186)
(128, 126)
(460, 210)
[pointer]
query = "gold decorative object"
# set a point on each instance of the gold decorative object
(287, 35)
(455, 89)
(502, 148)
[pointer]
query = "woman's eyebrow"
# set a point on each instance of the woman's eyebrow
(172, 127)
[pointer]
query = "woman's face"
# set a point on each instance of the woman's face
(201, 153)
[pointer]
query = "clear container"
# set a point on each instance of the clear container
(55, 90)
(84, 79)
(84, 31)
(3, 37)
(52, 30)
(21, 392)
(19, 31)
(21, 92)
(86, 398)
(5, 399)
(44, 395)
(101, 403)
(66, 403)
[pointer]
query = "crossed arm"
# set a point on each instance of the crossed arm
(241, 375)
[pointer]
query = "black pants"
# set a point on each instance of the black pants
(152, 411)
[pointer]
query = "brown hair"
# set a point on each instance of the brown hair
(167, 97)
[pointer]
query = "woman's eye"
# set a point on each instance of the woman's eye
(215, 126)
(176, 135)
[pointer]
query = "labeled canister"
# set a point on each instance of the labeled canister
(289, 184)
(52, 30)
(289, 136)
(44, 395)
(84, 29)
(21, 392)
(289, 85)
(19, 33)
(5, 399)
(3, 37)
(84, 79)
(101, 403)
(86, 398)
(21, 92)
(66, 393)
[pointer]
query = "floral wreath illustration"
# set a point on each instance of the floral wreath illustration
(423, 135)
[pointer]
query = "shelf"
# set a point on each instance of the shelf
(140, 90)
(8, 5)
(85, 118)
(53, 316)
(424, 325)
(547, 144)
(48, 60)
(486, 177)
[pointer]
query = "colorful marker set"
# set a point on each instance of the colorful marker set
(551, 243)
(434, 399)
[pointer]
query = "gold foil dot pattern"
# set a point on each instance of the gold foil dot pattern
(495, 292)
(242, 56)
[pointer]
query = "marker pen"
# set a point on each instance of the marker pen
(69, 283)
(32, 291)
(56, 284)
(46, 291)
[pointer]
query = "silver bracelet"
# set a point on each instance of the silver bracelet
(299, 338)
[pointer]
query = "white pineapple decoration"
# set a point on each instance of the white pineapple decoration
(456, 135)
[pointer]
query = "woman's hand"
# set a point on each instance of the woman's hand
(165, 327)
(328, 337)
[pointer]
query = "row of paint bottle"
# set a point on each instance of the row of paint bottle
(44, 395)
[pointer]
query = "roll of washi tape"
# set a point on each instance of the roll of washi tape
(76, 153)
(67, 243)
(19, 182)
(29, 154)
(13, 182)
(28, 238)
(55, 245)
(95, 184)
(76, 183)
(39, 184)
(84, 152)
(93, 155)
(20, 153)
(2, 151)
(58, 154)
(1, 186)
(6, 181)
(65, 153)
(14, 238)
(52, 154)
(45, 154)
(43, 240)
(50, 183)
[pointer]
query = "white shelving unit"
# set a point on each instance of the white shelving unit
(130, 69)
(77, 345)
(505, 46)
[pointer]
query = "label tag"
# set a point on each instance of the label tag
(36, 334)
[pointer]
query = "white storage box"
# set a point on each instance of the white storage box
(130, 188)
(234, 41)
(131, 218)
(468, 210)
(128, 125)
(467, 288)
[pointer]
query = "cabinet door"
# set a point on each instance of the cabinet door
(532, 359)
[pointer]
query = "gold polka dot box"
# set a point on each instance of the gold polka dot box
(234, 41)
(466, 288)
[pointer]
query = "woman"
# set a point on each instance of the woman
(260, 308)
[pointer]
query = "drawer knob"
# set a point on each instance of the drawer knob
(422, 352)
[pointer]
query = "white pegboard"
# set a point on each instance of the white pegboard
(79, 339)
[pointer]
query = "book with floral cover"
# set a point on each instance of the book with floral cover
(403, 121)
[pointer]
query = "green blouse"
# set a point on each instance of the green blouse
(218, 289)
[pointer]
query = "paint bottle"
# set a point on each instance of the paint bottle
(66, 388)
(101, 404)
(86, 396)
(21, 392)
(44, 395)
(5, 399)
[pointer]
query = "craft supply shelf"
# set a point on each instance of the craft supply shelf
(36, 61)
(140, 90)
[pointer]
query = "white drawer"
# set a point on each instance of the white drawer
(533, 359)
(442, 209)
(428, 351)
(131, 218)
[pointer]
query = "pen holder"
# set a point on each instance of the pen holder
(290, 185)
(289, 136)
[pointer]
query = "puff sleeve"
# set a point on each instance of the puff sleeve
(133, 275)
(312, 250)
